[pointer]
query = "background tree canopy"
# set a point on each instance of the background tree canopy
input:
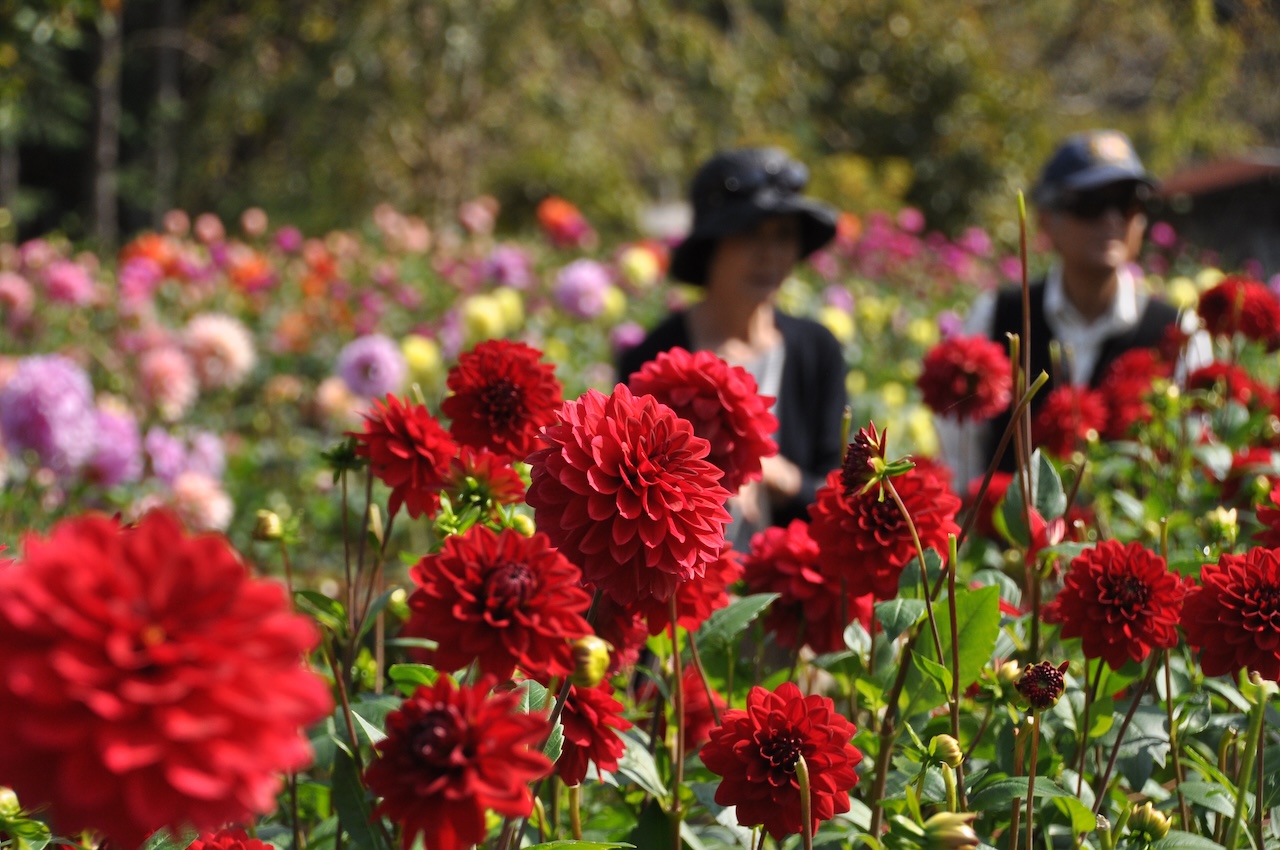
(318, 110)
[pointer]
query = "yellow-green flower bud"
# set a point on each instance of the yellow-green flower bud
(590, 661)
(268, 526)
(523, 523)
(946, 749)
(1008, 674)
(398, 604)
(1148, 821)
(9, 805)
(950, 831)
(1221, 526)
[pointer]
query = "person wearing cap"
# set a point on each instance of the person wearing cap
(1091, 200)
(751, 226)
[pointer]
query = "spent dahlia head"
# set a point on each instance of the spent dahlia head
(811, 611)
(1234, 615)
(179, 703)
(503, 394)
(592, 719)
(500, 599)
(1239, 305)
(1069, 416)
(756, 750)
(221, 349)
(372, 366)
(409, 451)
(864, 538)
(967, 378)
(624, 489)
(450, 754)
(722, 403)
(46, 407)
(1122, 600)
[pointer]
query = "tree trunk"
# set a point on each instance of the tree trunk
(106, 148)
(168, 111)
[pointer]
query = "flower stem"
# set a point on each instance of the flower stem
(1252, 744)
(1031, 777)
(953, 560)
(677, 747)
(806, 806)
(1089, 694)
(575, 811)
(1101, 792)
(702, 674)
(1015, 815)
(1173, 743)
(924, 575)
(887, 735)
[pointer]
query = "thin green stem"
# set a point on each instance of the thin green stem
(575, 811)
(806, 805)
(1252, 741)
(953, 560)
(677, 747)
(1031, 778)
(1101, 792)
(1090, 694)
(924, 575)
(1183, 811)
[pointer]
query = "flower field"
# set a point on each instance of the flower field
(355, 540)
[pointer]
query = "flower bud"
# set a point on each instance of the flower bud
(590, 661)
(398, 604)
(1008, 674)
(1221, 526)
(1147, 821)
(1042, 684)
(946, 749)
(950, 831)
(524, 524)
(268, 526)
(9, 805)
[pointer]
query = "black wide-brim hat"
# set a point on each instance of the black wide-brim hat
(733, 191)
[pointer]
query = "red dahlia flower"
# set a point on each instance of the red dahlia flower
(722, 403)
(592, 719)
(502, 599)
(1238, 305)
(1234, 616)
(228, 839)
(408, 451)
(756, 751)
(625, 491)
(864, 538)
(1122, 600)
(1069, 416)
(967, 378)
(697, 597)
(1232, 383)
(450, 754)
(864, 461)
(563, 224)
(1042, 684)
(502, 395)
(481, 478)
(1269, 516)
(810, 611)
(1125, 389)
(147, 681)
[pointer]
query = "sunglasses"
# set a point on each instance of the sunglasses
(1089, 206)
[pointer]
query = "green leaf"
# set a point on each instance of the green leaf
(534, 697)
(1082, 817)
(1179, 840)
(555, 742)
(163, 839)
(725, 625)
(1215, 798)
(977, 628)
(582, 845)
(373, 732)
(898, 615)
(1047, 497)
(933, 671)
(637, 765)
(409, 677)
(351, 802)
(325, 610)
(998, 794)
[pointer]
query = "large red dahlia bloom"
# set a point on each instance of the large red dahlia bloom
(449, 755)
(592, 719)
(864, 539)
(722, 403)
(147, 681)
(1238, 305)
(756, 751)
(1069, 417)
(811, 610)
(695, 598)
(409, 451)
(503, 393)
(625, 491)
(502, 599)
(967, 378)
(1234, 616)
(1122, 600)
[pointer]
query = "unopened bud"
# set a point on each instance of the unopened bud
(268, 526)
(9, 805)
(523, 523)
(946, 749)
(1042, 684)
(590, 661)
(398, 604)
(1008, 674)
(1148, 821)
(950, 831)
(1221, 525)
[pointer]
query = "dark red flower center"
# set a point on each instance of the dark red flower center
(857, 469)
(1128, 593)
(502, 401)
(509, 586)
(1042, 684)
(436, 740)
(782, 751)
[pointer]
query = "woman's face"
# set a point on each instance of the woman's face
(755, 262)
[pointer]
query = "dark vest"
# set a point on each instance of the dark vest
(1147, 333)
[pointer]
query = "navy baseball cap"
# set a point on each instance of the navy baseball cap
(1087, 161)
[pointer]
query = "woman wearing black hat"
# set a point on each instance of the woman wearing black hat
(751, 226)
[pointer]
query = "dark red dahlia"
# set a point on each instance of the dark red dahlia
(865, 540)
(1042, 684)
(450, 754)
(592, 719)
(967, 378)
(480, 478)
(408, 451)
(1234, 615)
(624, 490)
(1122, 600)
(228, 839)
(697, 597)
(722, 403)
(863, 460)
(1232, 383)
(1125, 389)
(501, 599)
(1238, 305)
(147, 681)
(811, 610)
(1069, 417)
(1269, 516)
(985, 523)
(503, 394)
(756, 750)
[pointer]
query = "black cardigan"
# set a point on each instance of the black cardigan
(811, 397)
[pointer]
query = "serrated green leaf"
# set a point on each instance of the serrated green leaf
(1215, 798)
(163, 839)
(932, 670)
(999, 793)
(533, 698)
(555, 743)
(724, 626)
(897, 615)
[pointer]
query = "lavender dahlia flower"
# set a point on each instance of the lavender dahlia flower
(580, 288)
(372, 366)
(117, 451)
(47, 408)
